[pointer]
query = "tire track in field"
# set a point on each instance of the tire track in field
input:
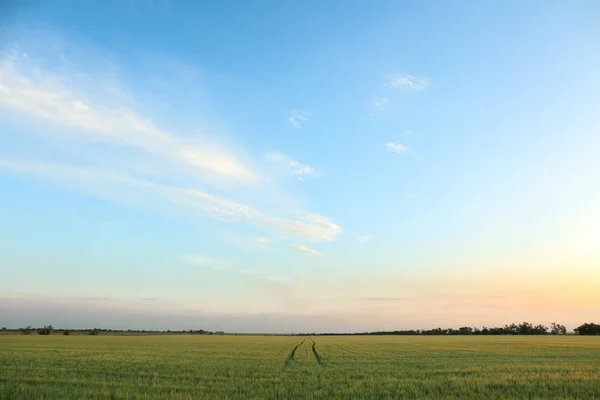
(290, 356)
(315, 352)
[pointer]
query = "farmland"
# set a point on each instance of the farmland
(297, 367)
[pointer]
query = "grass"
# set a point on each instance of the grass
(290, 367)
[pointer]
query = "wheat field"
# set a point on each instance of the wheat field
(298, 367)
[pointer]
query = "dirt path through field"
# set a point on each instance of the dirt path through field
(290, 356)
(315, 352)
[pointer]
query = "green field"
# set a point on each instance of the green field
(262, 367)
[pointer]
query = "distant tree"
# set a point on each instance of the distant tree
(46, 330)
(465, 330)
(540, 329)
(588, 329)
(93, 332)
(558, 329)
(66, 333)
(525, 329)
(499, 331)
(511, 329)
(4, 329)
(27, 330)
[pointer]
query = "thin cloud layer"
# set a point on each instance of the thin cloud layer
(407, 81)
(291, 167)
(306, 250)
(396, 147)
(112, 186)
(297, 118)
(29, 89)
(65, 108)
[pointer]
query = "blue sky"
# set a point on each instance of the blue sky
(281, 166)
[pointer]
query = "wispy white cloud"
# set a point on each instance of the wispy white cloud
(263, 240)
(298, 117)
(380, 103)
(363, 238)
(396, 147)
(306, 250)
(290, 166)
(116, 187)
(66, 107)
(407, 81)
(90, 111)
(313, 226)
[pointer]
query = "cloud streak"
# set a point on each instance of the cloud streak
(297, 118)
(407, 82)
(396, 147)
(30, 90)
(306, 250)
(112, 186)
(65, 107)
(291, 167)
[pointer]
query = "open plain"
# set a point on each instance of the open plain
(298, 367)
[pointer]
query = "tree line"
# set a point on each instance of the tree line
(524, 328)
(49, 329)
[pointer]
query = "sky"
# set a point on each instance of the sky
(299, 166)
